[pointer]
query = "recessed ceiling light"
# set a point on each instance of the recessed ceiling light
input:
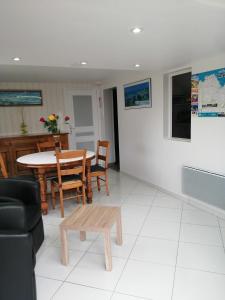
(137, 66)
(16, 58)
(136, 30)
(83, 63)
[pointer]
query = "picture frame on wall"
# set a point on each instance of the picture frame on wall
(20, 98)
(138, 94)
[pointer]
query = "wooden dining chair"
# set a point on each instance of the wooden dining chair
(50, 145)
(70, 176)
(3, 167)
(46, 146)
(100, 170)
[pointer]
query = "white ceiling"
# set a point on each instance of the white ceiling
(12, 73)
(61, 33)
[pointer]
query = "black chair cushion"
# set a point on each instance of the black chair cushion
(97, 168)
(24, 177)
(68, 178)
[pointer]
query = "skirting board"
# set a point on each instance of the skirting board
(189, 200)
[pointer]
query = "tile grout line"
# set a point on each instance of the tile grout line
(138, 297)
(149, 208)
(175, 267)
(85, 252)
(135, 242)
(100, 289)
(88, 286)
(221, 235)
(202, 225)
(73, 268)
(201, 270)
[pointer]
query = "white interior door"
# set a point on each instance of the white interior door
(82, 107)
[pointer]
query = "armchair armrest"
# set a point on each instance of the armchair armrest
(26, 191)
(12, 215)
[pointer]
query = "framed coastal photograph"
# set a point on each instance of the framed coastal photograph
(20, 97)
(138, 94)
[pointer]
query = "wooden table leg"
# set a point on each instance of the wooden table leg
(119, 238)
(108, 251)
(64, 246)
(88, 179)
(44, 203)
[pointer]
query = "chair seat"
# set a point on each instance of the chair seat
(97, 168)
(68, 178)
(24, 177)
(51, 177)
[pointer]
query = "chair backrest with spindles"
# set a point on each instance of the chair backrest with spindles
(46, 146)
(103, 152)
(65, 167)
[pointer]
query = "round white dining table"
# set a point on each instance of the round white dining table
(44, 161)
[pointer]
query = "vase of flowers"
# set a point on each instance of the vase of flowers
(51, 123)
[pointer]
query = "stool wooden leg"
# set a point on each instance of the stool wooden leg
(107, 183)
(78, 195)
(53, 195)
(119, 238)
(82, 235)
(98, 183)
(83, 195)
(108, 253)
(64, 246)
(61, 202)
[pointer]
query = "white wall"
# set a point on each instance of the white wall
(109, 122)
(148, 155)
(53, 102)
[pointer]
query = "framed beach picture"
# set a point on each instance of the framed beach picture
(138, 94)
(20, 97)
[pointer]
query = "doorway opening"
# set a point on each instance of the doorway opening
(111, 128)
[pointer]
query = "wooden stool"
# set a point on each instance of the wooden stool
(92, 218)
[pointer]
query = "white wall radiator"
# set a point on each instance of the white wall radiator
(205, 186)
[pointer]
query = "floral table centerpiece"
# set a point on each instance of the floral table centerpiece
(51, 123)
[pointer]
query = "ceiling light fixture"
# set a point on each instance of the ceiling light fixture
(136, 30)
(83, 63)
(16, 58)
(137, 66)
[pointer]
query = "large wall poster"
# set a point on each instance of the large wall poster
(208, 94)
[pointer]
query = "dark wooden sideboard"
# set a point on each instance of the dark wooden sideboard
(15, 146)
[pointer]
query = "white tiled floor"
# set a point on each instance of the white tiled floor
(171, 251)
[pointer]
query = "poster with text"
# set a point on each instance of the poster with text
(208, 94)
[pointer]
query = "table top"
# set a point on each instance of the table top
(92, 218)
(47, 158)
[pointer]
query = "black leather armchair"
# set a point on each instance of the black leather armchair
(21, 235)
